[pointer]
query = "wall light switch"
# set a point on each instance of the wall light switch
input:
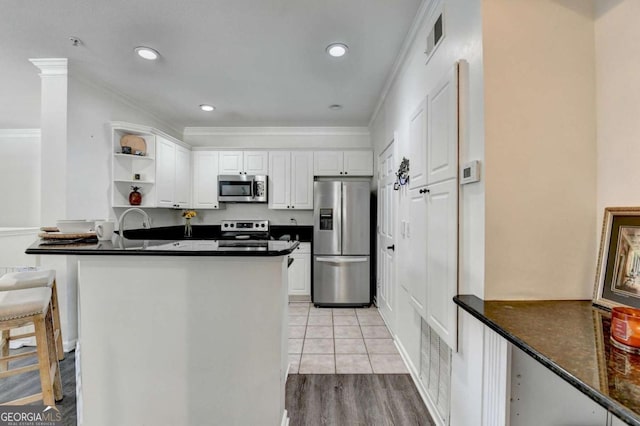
(470, 172)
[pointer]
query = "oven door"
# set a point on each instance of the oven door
(235, 189)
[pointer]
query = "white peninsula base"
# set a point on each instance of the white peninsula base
(182, 340)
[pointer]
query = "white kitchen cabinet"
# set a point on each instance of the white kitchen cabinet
(165, 172)
(183, 177)
(418, 146)
(243, 162)
(442, 259)
(173, 169)
(340, 163)
(205, 179)
(358, 163)
(290, 180)
(442, 129)
(300, 271)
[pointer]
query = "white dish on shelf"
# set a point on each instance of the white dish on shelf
(75, 226)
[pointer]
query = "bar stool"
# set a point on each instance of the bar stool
(32, 306)
(33, 279)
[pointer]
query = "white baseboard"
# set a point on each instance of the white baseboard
(285, 419)
(415, 375)
(69, 345)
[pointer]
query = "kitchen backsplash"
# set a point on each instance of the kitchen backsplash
(168, 217)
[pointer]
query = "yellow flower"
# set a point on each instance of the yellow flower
(188, 214)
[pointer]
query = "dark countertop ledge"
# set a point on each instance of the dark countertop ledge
(185, 247)
(570, 338)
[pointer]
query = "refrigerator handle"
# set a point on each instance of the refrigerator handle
(342, 259)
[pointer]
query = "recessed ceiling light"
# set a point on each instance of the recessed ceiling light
(147, 53)
(335, 107)
(207, 108)
(337, 49)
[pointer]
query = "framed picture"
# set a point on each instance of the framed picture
(618, 274)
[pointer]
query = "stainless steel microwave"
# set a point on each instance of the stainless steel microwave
(242, 189)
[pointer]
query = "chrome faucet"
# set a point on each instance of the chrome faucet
(145, 216)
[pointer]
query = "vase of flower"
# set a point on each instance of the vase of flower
(135, 197)
(188, 215)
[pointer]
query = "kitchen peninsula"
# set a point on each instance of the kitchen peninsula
(180, 332)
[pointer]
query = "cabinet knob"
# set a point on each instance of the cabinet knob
(340, 172)
(346, 173)
(293, 207)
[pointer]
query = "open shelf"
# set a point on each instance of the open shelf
(132, 156)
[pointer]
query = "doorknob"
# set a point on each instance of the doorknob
(392, 247)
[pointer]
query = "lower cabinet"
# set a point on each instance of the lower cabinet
(300, 271)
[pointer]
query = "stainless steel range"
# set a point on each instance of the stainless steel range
(239, 230)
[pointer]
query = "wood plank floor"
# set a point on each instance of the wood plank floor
(29, 383)
(315, 399)
(354, 399)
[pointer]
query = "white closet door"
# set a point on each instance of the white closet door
(442, 259)
(442, 129)
(418, 146)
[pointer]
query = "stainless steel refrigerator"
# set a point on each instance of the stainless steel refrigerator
(341, 243)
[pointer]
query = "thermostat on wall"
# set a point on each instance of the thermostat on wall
(470, 172)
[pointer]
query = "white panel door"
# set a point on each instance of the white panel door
(442, 260)
(256, 162)
(231, 163)
(279, 181)
(165, 172)
(387, 200)
(328, 163)
(418, 146)
(417, 235)
(442, 128)
(183, 177)
(205, 179)
(358, 163)
(302, 180)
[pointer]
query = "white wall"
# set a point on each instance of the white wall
(463, 40)
(278, 137)
(540, 163)
(618, 104)
(91, 108)
(20, 177)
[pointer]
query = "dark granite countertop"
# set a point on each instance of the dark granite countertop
(571, 338)
(213, 232)
(184, 247)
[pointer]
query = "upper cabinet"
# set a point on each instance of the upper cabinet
(173, 171)
(291, 180)
(243, 162)
(205, 179)
(442, 128)
(340, 163)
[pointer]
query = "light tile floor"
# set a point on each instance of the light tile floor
(340, 341)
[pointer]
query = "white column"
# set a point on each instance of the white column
(54, 164)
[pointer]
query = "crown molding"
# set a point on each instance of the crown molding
(20, 133)
(121, 97)
(139, 128)
(424, 10)
(51, 66)
(276, 131)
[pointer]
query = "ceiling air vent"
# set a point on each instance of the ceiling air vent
(435, 37)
